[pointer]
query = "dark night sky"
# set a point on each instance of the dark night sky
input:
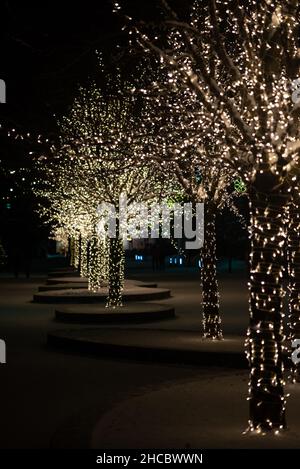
(47, 49)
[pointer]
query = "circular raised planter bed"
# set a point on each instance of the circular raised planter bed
(132, 292)
(132, 312)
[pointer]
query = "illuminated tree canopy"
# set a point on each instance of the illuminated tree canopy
(96, 162)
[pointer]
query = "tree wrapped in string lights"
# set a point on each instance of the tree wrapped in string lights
(188, 145)
(240, 58)
(101, 137)
(72, 216)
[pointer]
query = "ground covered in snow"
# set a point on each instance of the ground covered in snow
(203, 413)
(54, 398)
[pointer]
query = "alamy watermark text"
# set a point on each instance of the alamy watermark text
(137, 220)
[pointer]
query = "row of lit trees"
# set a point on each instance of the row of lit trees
(220, 106)
(103, 153)
(228, 102)
(95, 163)
(239, 58)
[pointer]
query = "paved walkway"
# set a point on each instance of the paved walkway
(54, 398)
(199, 414)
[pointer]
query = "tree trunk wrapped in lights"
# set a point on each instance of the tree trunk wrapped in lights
(293, 240)
(79, 253)
(210, 291)
(72, 251)
(104, 258)
(76, 251)
(84, 268)
(265, 334)
(94, 263)
(115, 270)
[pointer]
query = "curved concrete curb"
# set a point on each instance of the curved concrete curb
(63, 273)
(84, 281)
(83, 285)
(62, 286)
(66, 279)
(84, 296)
(166, 346)
(134, 312)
